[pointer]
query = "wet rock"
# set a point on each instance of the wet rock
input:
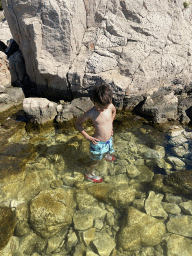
(177, 140)
(12, 248)
(104, 244)
(83, 219)
(110, 219)
(84, 199)
(139, 204)
(173, 199)
(39, 110)
(13, 159)
(7, 225)
(88, 236)
(31, 243)
(132, 171)
(51, 211)
(153, 205)
(180, 225)
(139, 229)
(71, 239)
(180, 181)
(171, 208)
(98, 224)
(56, 184)
(53, 243)
(178, 246)
(186, 207)
(178, 164)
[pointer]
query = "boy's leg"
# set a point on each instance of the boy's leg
(110, 158)
(90, 174)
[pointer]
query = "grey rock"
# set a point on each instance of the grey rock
(39, 110)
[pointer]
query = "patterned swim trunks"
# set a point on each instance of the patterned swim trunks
(97, 151)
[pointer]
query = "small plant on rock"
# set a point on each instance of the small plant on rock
(186, 5)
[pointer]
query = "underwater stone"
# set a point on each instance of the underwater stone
(83, 220)
(171, 208)
(30, 243)
(132, 171)
(139, 229)
(7, 224)
(177, 163)
(98, 224)
(180, 225)
(178, 246)
(186, 207)
(51, 211)
(12, 248)
(71, 239)
(88, 236)
(153, 205)
(104, 244)
(53, 243)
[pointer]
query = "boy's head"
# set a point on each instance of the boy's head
(102, 95)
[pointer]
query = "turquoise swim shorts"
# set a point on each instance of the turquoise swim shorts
(97, 151)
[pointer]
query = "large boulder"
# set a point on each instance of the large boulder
(138, 229)
(51, 211)
(69, 46)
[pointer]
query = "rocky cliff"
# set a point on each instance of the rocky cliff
(136, 47)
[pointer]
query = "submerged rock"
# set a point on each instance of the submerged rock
(138, 229)
(51, 211)
(7, 225)
(153, 205)
(180, 181)
(180, 225)
(178, 246)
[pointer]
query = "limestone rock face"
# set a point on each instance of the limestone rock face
(139, 230)
(39, 110)
(7, 222)
(51, 211)
(128, 45)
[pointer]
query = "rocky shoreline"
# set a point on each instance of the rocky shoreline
(46, 207)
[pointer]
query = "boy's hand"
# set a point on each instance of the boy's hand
(92, 140)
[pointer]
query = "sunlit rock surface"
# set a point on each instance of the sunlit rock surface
(51, 211)
(129, 45)
(139, 229)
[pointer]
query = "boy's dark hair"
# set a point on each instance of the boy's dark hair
(102, 95)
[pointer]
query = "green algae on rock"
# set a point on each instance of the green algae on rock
(51, 211)
(7, 225)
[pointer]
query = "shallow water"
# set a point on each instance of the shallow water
(62, 156)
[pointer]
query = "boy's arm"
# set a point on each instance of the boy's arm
(113, 116)
(78, 124)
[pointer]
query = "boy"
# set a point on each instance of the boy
(102, 115)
